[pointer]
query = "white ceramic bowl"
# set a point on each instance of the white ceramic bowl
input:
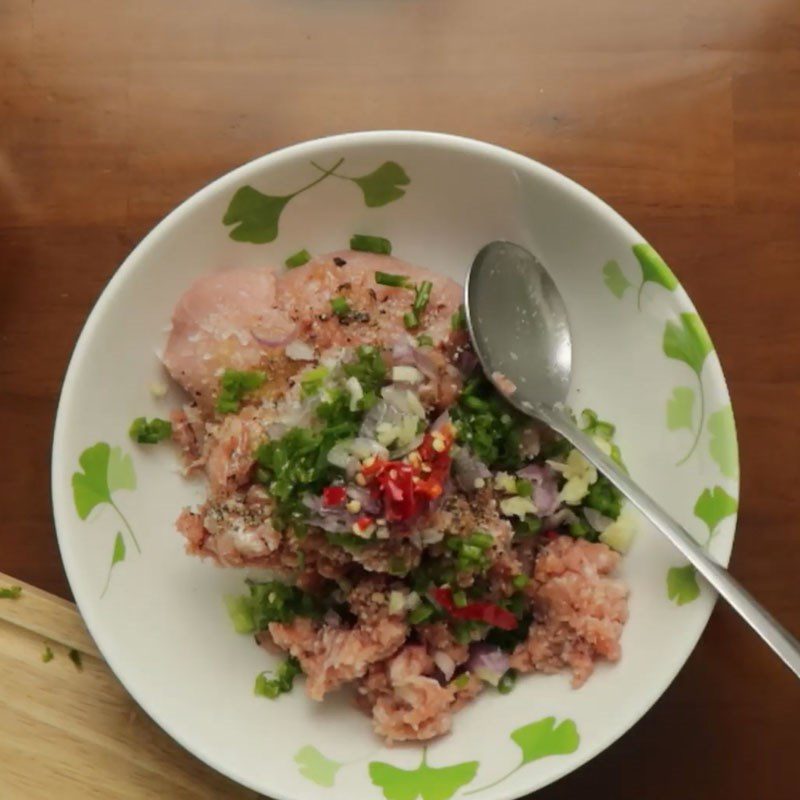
(642, 359)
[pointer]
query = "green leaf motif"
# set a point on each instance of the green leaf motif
(713, 506)
(688, 341)
(654, 268)
(105, 470)
(679, 409)
(538, 740)
(682, 585)
(428, 783)
(254, 215)
(614, 279)
(316, 767)
(545, 738)
(117, 555)
(382, 185)
(722, 445)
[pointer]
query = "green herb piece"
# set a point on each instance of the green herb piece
(387, 279)
(458, 321)
(594, 426)
(10, 592)
(47, 656)
(370, 244)
(270, 601)
(507, 682)
(151, 432)
(580, 529)
(520, 581)
(369, 369)
(461, 681)
(524, 488)
(281, 683)
(298, 259)
(528, 526)
(240, 611)
(410, 320)
(76, 658)
(340, 306)
(460, 598)
(422, 295)
(419, 614)
(311, 381)
(488, 425)
(423, 340)
(234, 385)
(347, 541)
(604, 497)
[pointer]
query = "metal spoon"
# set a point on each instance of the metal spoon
(520, 330)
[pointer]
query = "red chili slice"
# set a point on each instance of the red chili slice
(333, 495)
(479, 611)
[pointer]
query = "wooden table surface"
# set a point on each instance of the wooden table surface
(684, 115)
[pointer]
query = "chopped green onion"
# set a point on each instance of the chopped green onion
(507, 682)
(48, 654)
(420, 614)
(281, 683)
(424, 340)
(387, 279)
(459, 599)
(370, 244)
(340, 306)
(458, 322)
(410, 320)
(151, 432)
(422, 294)
(524, 488)
(520, 581)
(240, 610)
(311, 381)
(298, 259)
(528, 526)
(481, 540)
(76, 659)
(10, 592)
(461, 681)
(234, 385)
(579, 529)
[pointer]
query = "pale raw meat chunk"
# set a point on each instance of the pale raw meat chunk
(226, 320)
(377, 318)
(580, 611)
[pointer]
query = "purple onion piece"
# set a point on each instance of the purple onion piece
(487, 662)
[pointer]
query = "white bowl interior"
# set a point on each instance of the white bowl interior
(162, 625)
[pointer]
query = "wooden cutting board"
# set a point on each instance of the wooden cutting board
(76, 733)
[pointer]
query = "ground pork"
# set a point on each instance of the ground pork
(579, 611)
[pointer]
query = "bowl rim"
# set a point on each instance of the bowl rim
(443, 141)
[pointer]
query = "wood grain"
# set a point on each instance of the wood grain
(76, 733)
(684, 115)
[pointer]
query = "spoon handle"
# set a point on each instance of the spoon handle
(765, 625)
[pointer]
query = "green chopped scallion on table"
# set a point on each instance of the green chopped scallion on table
(370, 244)
(10, 592)
(152, 431)
(387, 279)
(48, 654)
(298, 259)
(234, 385)
(76, 658)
